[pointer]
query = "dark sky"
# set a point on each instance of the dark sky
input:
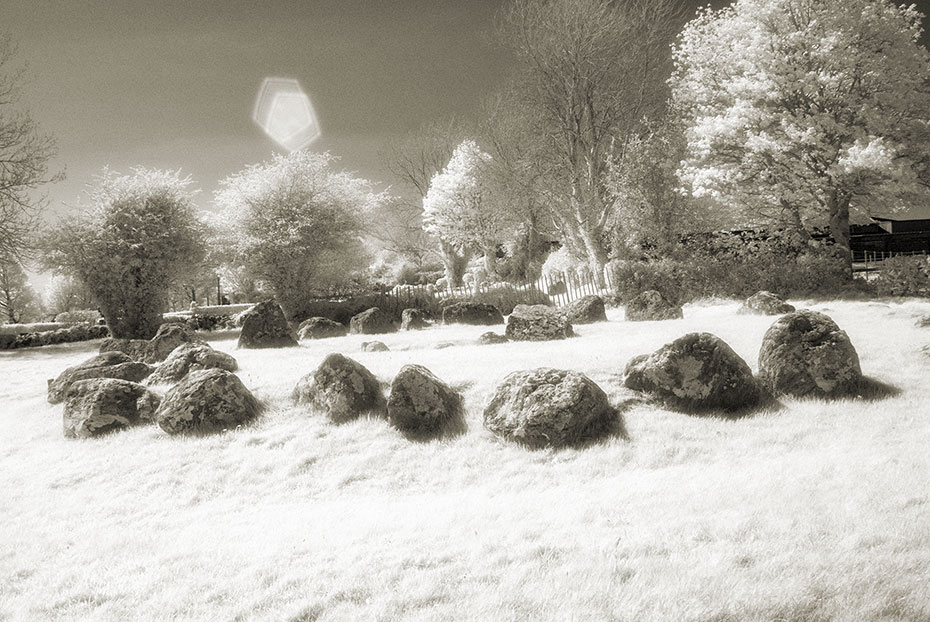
(171, 84)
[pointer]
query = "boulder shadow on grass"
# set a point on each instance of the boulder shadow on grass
(874, 390)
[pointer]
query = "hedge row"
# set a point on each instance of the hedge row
(78, 332)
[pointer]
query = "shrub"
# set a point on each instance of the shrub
(904, 276)
(139, 236)
(78, 315)
(561, 261)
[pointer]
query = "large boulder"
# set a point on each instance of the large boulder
(547, 407)
(100, 405)
(372, 321)
(537, 323)
(765, 303)
(423, 406)
(413, 319)
(650, 305)
(341, 388)
(320, 328)
(476, 313)
(697, 372)
(586, 310)
(133, 348)
(264, 326)
(206, 401)
(189, 357)
(154, 350)
(806, 354)
(111, 364)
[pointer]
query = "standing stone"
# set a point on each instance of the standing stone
(547, 407)
(475, 313)
(112, 364)
(650, 305)
(206, 401)
(696, 372)
(537, 323)
(373, 321)
(320, 328)
(264, 326)
(423, 406)
(765, 303)
(586, 310)
(413, 319)
(341, 388)
(189, 357)
(100, 405)
(806, 354)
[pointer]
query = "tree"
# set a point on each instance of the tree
(456, 208)
(296, 224)
(24, 156)
(18, 301)
(66, 293)
(591, 72)
(139, 236)
(803, 109)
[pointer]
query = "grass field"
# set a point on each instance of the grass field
(813, 511)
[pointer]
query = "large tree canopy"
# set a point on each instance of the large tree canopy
(802, 109)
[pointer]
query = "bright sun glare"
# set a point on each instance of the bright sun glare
(285, 113)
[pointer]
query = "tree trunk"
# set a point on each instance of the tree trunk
(839, 226)
(454, 263)
(597, 257)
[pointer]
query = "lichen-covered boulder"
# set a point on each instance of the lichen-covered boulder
(374, 346)
(100, 405)
(650, 305)
(112, 364)
(189, 357)
(697, 372)
(491, 338)
(423, 406)
(806, 354)
(372, 321)
(765, 303)
(320, 328)
(413, 319)
(340, 388)
(209, 400)
(537, 323)
(547, 407)
(264, 326)
(133, 348)
(475, 313)
(586, 310)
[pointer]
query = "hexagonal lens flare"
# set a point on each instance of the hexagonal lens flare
(285, 113)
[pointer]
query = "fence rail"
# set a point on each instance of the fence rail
(870, 261)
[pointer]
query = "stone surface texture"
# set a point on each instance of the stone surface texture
(421, 405)
(101, 405)
(537, 323)
(264, 326)
(374, 346)
(806, 354)
(207, 401)
(191, 357)
(547, 407)
(341, 388)
(413, 319)
(586, 310)
(475, 313)
(320, 328)
(649, 306)
(491, 338)
(765, 303)
(372, 321)
(110, 364)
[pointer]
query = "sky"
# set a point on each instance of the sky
(172, 84)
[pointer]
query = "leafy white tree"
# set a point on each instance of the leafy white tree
(803, 109)
(66, 293)
(456, 208)
(18, 301)
(296, 224)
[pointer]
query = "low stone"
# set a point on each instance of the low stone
(372, 321)
(264, 326)
(765, 303)
(374, 346)
(423, 406)
(340, 388)
(112, 364)
(649, 306)
(697, 372)
(491, 338)
(190, 357)
(537, 323)
(586, 310)
(413, 319)
(442, 345)
(474, 313)
(547, 407)
(207, 401)
(100, 405)
(924, 322)
(806, 354)
(154, 350)
(320, 328)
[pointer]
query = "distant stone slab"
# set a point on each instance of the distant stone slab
(102, 405)
(320, 328)
(111, 364)
(423, 406)
(696, 372)
(651, 306)
(372, 321)
(586, 310)
(413, 319)
(537, 323)
(264, 326)
(765, 303)
(374, 346)
(474, 313)
(207, 401)
(491, 338)
(341, 388)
